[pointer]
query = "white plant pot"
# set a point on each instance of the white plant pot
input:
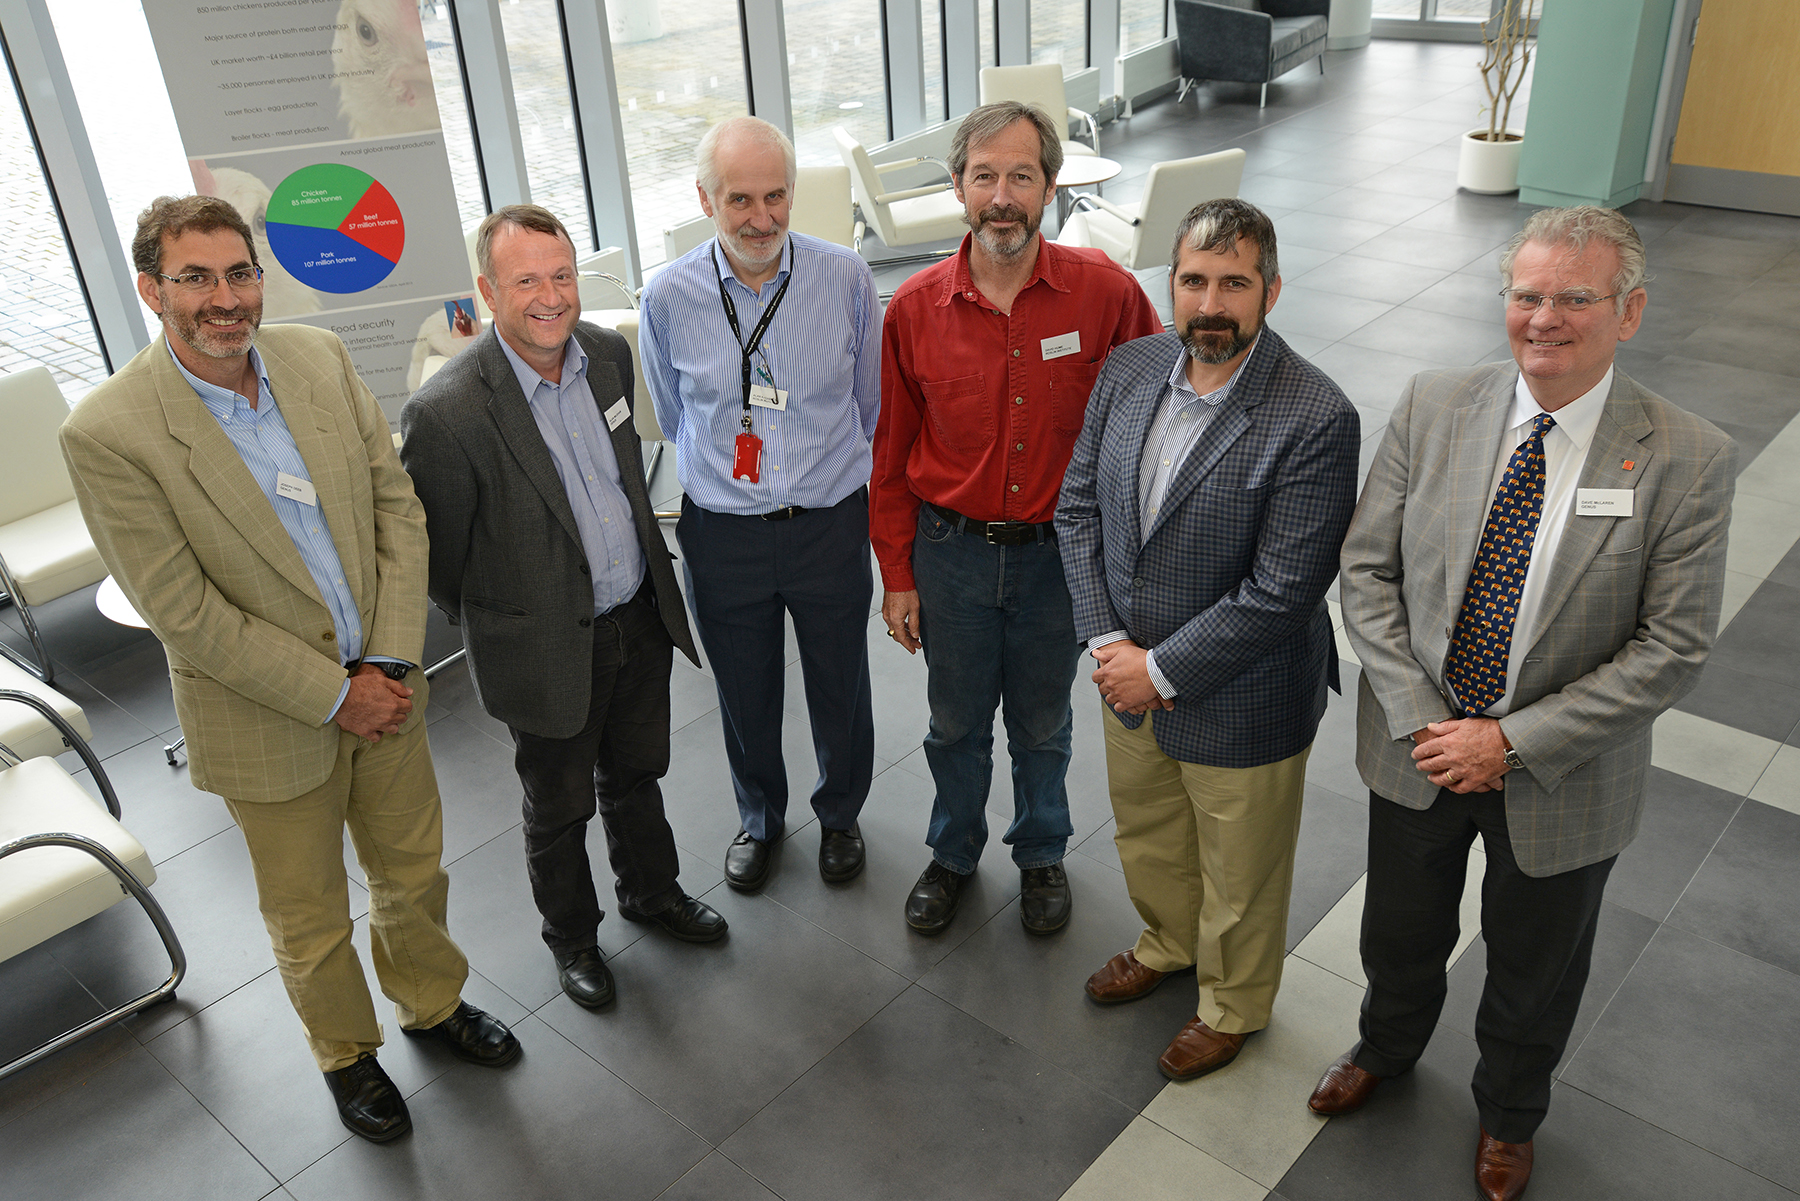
(1490, 168)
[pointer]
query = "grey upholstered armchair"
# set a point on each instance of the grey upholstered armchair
(1248, 41)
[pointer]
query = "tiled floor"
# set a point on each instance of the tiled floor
(823, 1051)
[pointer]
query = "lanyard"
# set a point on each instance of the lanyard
(756, 334)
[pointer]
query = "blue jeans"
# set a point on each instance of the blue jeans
(997, 624)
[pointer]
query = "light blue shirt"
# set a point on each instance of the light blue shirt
(267, 446)
(823, 349)
(1182, 415)
(581, 447)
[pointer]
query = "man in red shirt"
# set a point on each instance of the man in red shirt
(986, 363)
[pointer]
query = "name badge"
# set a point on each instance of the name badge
(765, 397)
(295, 488)
(1603, 502)
(1062, 344)
(618, 414)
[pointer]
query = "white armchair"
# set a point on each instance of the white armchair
(1041, 84)
(910, 216)
(1140, 235)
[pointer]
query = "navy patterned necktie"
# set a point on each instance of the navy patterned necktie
(1482, 641)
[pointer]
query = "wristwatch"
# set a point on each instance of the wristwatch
(1512, 758)
(395, 671)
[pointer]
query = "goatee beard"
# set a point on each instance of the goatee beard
(1203, 352)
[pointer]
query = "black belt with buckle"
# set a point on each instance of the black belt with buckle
(783, 514)
(998, 533)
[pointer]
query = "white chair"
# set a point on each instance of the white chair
(907, 217)
(1041, 84)
(63, 859)
(1140, 235)
(45, 548)
(824, 206)
(26, 732)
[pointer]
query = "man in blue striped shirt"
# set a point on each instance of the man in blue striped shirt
(762, 353)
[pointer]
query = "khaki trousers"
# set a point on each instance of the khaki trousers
(386, 793)
(1208, 854)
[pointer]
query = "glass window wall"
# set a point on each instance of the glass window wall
(453, 111)
(1141, 22)
(836, 73)
(540, 79)
(1059, 33)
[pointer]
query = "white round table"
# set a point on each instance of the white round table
(110, 600)
(1080, 171)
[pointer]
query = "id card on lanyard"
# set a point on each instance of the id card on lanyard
(746, 459)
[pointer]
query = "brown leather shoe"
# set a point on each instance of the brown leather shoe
(1502, 1170)
(1344, 1088)
(1123, 979)
(1197, 1050)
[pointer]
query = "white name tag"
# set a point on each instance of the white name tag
(618, 414)
(765, 397)
(1603, 502)
(295, 488)
(1062, 344)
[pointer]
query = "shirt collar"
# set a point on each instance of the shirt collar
(1578, 419)
(722, 263)
(961, 281)
(574, 365)
(222, 402)
(1184, 391)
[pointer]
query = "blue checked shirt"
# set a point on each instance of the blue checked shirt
(569, 419)
(1181, 417)
(823, 348)
(265, 443)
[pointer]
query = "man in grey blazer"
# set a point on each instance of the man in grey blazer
(1200, 520)
(1533, 575)
(545, 549)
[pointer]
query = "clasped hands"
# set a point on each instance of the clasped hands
(1464, 755)
(1124, 678)
(375, 705)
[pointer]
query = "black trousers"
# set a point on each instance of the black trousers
(611, 767)
(1539, 933)
(742, 574)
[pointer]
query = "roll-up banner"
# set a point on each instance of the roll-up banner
(318, 122)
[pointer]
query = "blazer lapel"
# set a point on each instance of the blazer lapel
(316, 435)
(1618, 437)
(518, 429)
(1475, 434)
(1138, 411)
(219, 470)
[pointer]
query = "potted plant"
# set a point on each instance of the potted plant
(1489, 162)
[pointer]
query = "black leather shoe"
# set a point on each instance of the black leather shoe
(474, 1036)
(687, 919)
(367, 1101)
(746, 862)
(932, 902)
(1044, 900)
(585, 977)
(840, 854)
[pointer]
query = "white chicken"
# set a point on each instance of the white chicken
(383, 76)
(283, 295)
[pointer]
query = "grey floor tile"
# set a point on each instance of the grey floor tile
(1723, 1024)
(716, 1178)
(1329, 168)
(553, 1125)
(1744, 702)
(114, 729)
(1429, 247)
(1352, 274)
(136, 678)
(1404, 180)
(1296, 261)
(161, 806)
(1682, 821)
(1764, 638)
(1746, 895)
(1463, 295)
(1738, 257)
(39, 1000)
(1496, 217)
(958, 1083)
(132, 1131)
(1322, 232)
(1371, 147)
(1772, 300)
(1372, 377)
(1286, 192)
(478, 783)
(1758, 344)
(453, 695)
(1331, 856)
(1437, 337)
(1113, 1048)
(713, 1033)
(1322, 314)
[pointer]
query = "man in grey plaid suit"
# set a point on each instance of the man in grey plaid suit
(1613, 617)
(1200, 520)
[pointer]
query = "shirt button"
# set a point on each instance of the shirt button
(1018, 400)
(1018, 446)
(1015, 487)
(1015, 354)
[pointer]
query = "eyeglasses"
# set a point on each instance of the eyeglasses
(1527, 301)
(244, 279)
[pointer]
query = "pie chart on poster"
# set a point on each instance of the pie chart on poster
(335, 228)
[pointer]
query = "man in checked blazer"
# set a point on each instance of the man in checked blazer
(1200, 520)
(1615, 615)
(545, 549)
(248, 500)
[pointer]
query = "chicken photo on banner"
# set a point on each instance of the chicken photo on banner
(383, 77)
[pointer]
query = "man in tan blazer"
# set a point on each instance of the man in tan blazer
(251, 506)
(1533, 575)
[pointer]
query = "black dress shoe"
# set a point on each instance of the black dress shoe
(1044, 900)
(585, 977)
(367, 1101)
(687, 919)
(840, 854)
(746, 862)
(932, 902)
(474, 1036)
